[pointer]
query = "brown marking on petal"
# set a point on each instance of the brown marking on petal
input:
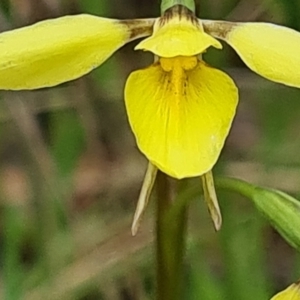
(179, 11)
(139, 27)
(219, 29)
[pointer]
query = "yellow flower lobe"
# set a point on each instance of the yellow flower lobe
(270, 50)
(54, 51)
(180, 110)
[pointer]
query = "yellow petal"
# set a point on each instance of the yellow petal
(268, 49)
(180, 111)
(291, 293)
(178, 34)
(58, 50)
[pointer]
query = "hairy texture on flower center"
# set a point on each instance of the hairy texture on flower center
(177, 68)
(180, 62)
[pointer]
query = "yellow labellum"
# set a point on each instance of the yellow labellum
(180, 111)
(291, 293)
(270, 50)
(58, 50)
(178, 37)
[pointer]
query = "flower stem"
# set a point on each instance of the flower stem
(166, 4)
(170, 242)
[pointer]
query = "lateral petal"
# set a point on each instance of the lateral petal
(268, 49)
(59, 50)
(181, 121)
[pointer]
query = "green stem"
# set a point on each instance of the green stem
(166, 4)
(12, 239)
(170, 244)
(236, 185)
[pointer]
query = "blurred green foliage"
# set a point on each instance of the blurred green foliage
(70, 175)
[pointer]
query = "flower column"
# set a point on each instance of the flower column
(170, 227)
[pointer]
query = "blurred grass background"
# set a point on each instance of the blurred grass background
(70, 175)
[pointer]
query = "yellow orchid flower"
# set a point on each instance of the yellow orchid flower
(180, 109)
(290, 293)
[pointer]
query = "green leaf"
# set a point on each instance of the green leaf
(282, 210)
